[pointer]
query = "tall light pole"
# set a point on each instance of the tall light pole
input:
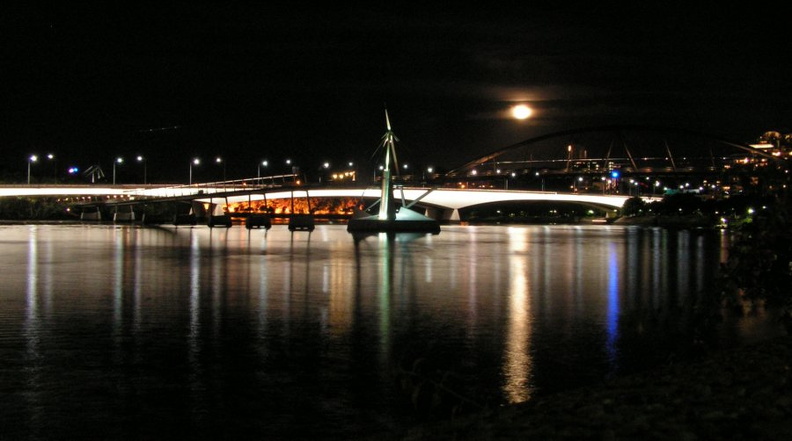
(143, 160)
(117, 161)
(31, 159)
(263, 163)
(195, 161)
(51, 157)
(219, 161)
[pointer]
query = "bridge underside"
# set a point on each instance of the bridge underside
(439, 204)
(446, 205)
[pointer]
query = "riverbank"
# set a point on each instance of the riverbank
(681, 221)
(742, 393)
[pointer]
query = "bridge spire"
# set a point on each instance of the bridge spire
(387, 210)
(389, 219)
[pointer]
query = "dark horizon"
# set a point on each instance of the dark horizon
(250, 83)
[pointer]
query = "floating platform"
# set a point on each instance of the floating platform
(406, 221)
(221, 220)
(301, 222)
(258, 221)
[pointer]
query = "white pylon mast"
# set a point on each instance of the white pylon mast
(387, 209)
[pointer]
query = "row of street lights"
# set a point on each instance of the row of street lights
(141, 159)
(193, 162)
(34, 158)
(118, 161)
(197, 161)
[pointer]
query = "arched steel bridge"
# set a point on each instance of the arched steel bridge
(632, 149)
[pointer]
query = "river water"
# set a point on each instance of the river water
(125, 332)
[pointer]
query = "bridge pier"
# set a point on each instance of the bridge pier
(195, 212)
(198, 210)
(218, 217)
(124, 216)
(443, 214)
(91, 216)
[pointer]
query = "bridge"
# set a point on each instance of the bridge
(597, 167)
(438, 202)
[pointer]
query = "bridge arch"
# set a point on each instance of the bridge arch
(630, 147)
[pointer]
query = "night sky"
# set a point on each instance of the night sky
(173, 81)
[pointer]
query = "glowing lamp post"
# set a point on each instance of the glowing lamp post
(143, 160)
(195, 161)
(51, 157)
(219, 161)
(262, 164)
(117, 161)
(31, 159)
(428, 170)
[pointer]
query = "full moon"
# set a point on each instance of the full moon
(521, 111)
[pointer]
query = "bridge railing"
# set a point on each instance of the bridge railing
(237, 185)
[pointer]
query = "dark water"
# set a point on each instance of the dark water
(122, 332)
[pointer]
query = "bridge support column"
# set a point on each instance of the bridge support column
(218, 217)
(91, 216)
(198, 210)
(443, 214)
(124, 216)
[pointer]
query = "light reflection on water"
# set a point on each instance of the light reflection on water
(292, 335)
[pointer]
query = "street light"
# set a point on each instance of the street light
(219, 161)
(143, 160)
(31, 159)
(293, 169)
(51, 157)
(117, 161)
(195, 161)
(262, 164)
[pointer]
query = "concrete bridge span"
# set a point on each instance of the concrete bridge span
(440, 203)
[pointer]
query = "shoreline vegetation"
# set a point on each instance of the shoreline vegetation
(741, 393)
